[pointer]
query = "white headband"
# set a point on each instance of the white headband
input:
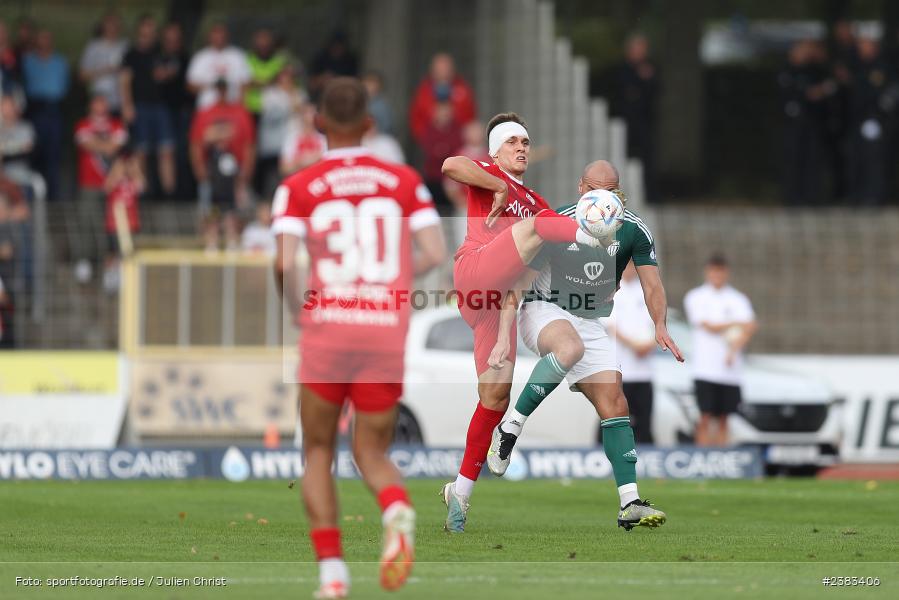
(502, 132)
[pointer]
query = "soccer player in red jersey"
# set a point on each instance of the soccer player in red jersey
(359, 217)
(507, 225)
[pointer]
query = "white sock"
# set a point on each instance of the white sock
(464, 486)
(332, 569)
(627, 493)
(514, 422)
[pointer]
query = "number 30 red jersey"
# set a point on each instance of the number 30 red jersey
(357, 215)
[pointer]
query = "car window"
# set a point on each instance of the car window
(454, 335)
(450, 334)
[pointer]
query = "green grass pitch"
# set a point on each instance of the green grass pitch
(526, 540)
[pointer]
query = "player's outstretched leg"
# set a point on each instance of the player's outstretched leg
(372, 435)
(548, 226)
(564, 349)
(319, 421)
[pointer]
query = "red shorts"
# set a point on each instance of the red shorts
(373, 382)
(482, 277)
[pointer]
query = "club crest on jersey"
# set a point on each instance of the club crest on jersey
(317, 187)
(613, 248)
(593, 270)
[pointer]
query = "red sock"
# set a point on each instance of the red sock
(326, 542)
(478, 440)
(391, 494)
(553, 227)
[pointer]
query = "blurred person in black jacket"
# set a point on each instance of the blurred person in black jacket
(637, 85)
(805, 88)
(873, 98)
(843, 60)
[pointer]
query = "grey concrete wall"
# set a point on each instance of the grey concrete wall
(821, 281)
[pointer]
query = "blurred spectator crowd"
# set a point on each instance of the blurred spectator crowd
(839, 101)
(222, 126)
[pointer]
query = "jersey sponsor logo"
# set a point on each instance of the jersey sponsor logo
(573, 247)
(317, 187)
(593, 270)
(539, 390)
(613, 248)
(520, 210)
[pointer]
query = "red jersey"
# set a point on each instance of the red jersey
(125, 192)
(92, 167)
(357, 215)
(523, 202)
(235, 123)
(422, 110)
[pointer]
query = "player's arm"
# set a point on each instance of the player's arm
(464, 170)
(287, 274)
(430, 249)
(289, 230)
(509, 311)
(657, 304)
(424, 223)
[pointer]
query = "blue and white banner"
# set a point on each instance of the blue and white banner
(128, 463)
(241, 464)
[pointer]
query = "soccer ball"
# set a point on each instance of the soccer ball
(600, 213)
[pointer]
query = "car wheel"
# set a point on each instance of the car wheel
(407, 431)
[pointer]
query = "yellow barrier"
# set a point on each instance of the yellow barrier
(27, 373)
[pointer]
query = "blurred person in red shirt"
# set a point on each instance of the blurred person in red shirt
(441, 85)
(123, 186)
(441, 136)
(222, 154)
(99, 136)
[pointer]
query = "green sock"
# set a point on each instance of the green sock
(618, 442)
(545, 377)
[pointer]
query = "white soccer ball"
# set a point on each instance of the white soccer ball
(599, 213)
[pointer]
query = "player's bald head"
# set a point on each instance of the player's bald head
(344, 105)
(600, 175)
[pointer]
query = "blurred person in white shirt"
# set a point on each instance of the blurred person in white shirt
(280, 103)
(723, 322)
(634, 330)
(101, 59)
(218, 61)
(383, 145)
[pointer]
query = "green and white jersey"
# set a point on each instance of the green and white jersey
(583, 280)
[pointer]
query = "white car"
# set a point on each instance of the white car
(794, 418)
